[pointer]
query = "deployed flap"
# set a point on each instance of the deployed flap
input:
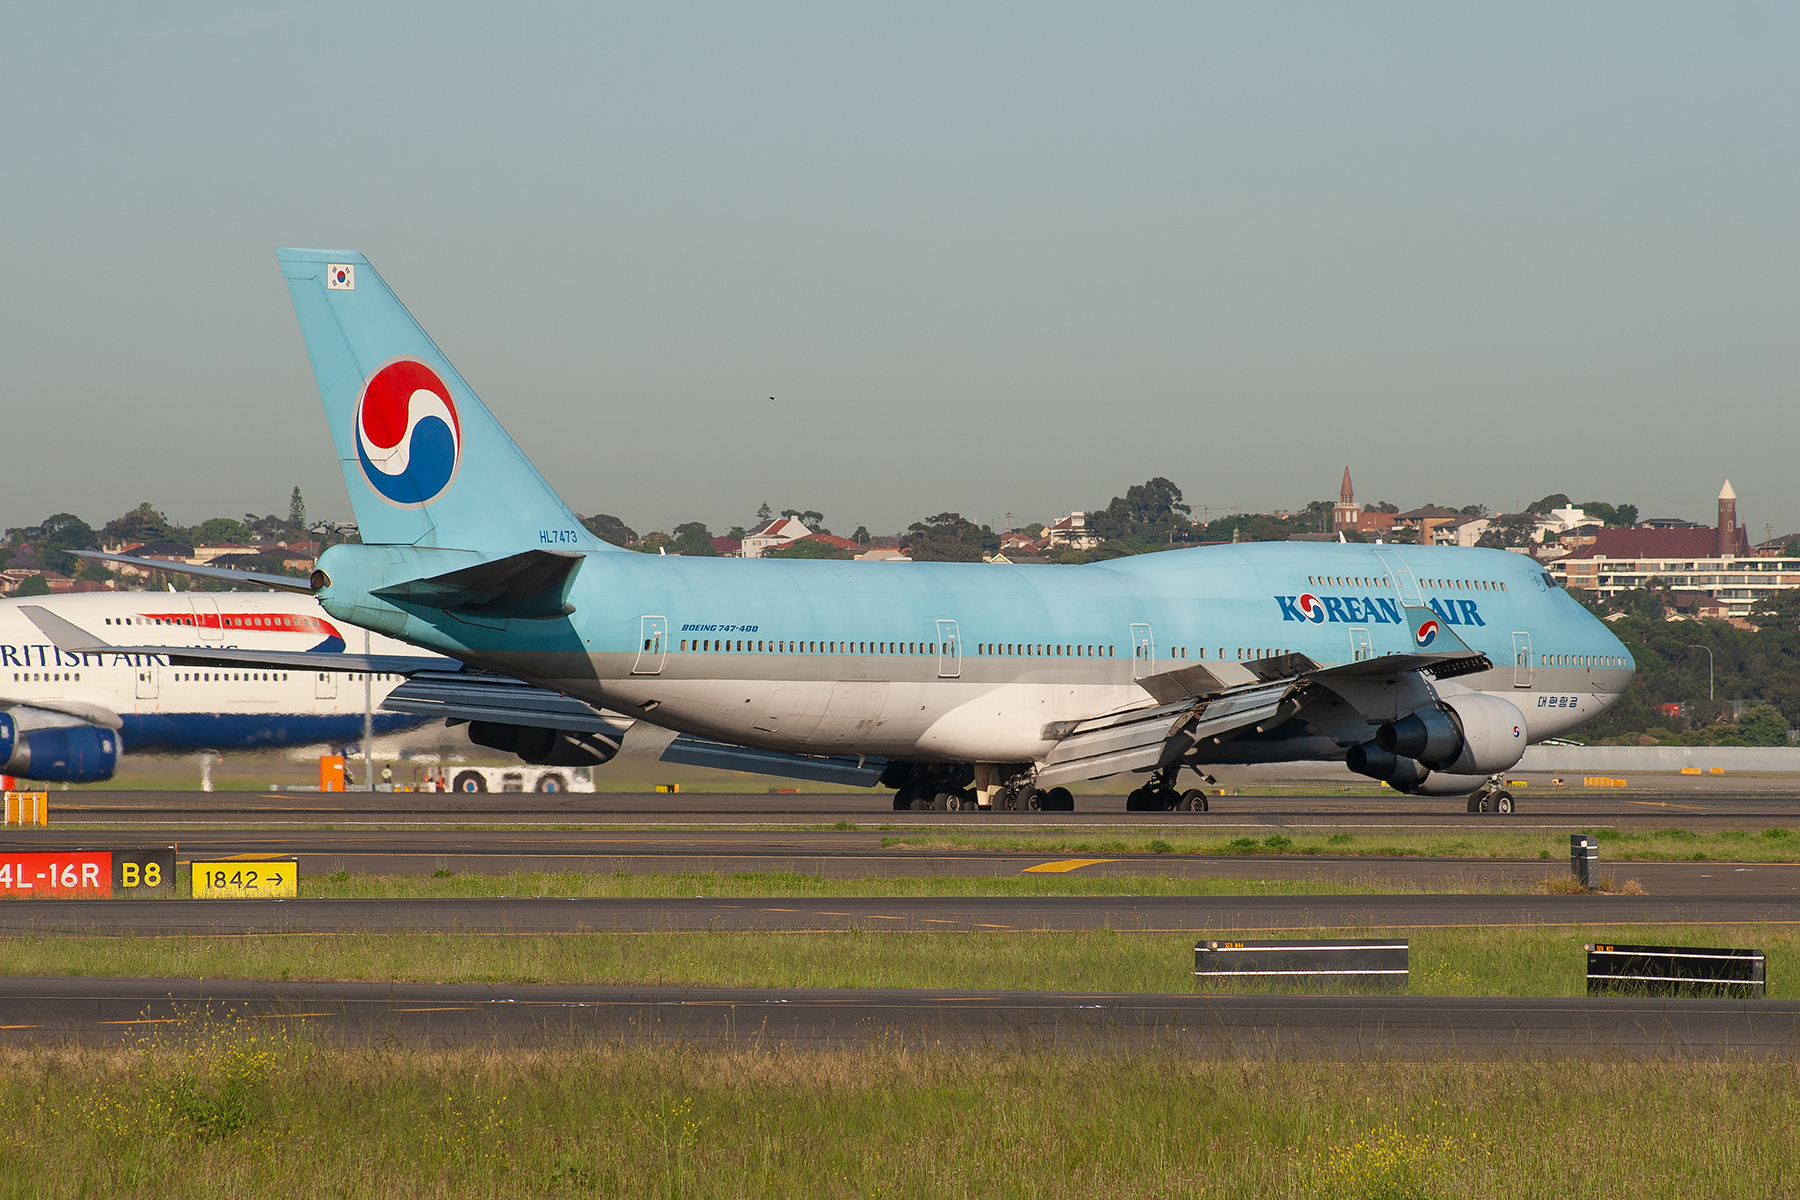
(478, 696)
(281, 583)
(72, 639)
(698, 752)
(1213, 679)
(529, 586)
(1135, 741)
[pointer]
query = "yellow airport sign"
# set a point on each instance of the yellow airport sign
(239, 880)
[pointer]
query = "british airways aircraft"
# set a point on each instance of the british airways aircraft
(66, 716)
(956, 684)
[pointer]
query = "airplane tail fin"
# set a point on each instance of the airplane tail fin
(425, 461)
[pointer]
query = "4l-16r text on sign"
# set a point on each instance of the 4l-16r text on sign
(57, 875)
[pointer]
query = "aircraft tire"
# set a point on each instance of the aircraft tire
(1034, 800)
(1058, 799)
(902, 802)
(469, 781)
(950, 801)
(1503, 803)
(1193, 800)
(1136, 802)
(552, 782)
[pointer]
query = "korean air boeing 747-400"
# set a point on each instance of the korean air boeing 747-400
(953, 683)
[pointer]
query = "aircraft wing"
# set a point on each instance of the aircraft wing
(1219, 700)
(822, 768)
(478, 696)
(281, 583)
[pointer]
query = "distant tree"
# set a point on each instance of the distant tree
(812, 520)
(1544, 507)
(55, 538)
(1473, 510)
(764, 514)
(215, 530)
(1622, 516)
(1144, 515)
(808, 547)
(6, 556)
(93, 572)
(692, 539)
(1791, 549)
(34, 585)
(862, 536)
(1763, 725)
(736, 531)
(609, 528)
(1382, 506)
(1035, 529)
(947, 537)
(1508, 530)
(141, 524)
(297, 512)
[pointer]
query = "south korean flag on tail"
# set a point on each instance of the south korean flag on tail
(340, 277)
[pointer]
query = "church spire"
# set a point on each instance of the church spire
(1347, 494)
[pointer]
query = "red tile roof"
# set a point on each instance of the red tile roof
(1658, 543)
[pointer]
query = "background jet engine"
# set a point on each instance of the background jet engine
(543, 747)
(56, 748)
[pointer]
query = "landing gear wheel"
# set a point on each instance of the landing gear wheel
(469, 781)
(1193, 800)
(1503, 803)
(1057, 800)
(1034, 801)
(902, 801)
(925, 804)
(1481, 803)
(1138, 801)
(551, 783)
(1008, 801)
(953, 802)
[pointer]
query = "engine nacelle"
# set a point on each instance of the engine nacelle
(1398, 772)
(543, 747)
(58, 753)
(1429, 735)
(1493, 735)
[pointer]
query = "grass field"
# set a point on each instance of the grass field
(1775, 844)
(1476, 961)
(229, 1111)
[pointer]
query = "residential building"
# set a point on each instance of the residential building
(778, 532)
(1071, 533)
(1427, 520)
(1683, 560)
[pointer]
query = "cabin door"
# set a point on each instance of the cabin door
(653, 646)
(1521, 658)
(949, 652)
(1143, 651)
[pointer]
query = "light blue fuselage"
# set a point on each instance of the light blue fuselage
(970, 661)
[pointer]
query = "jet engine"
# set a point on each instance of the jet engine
(1472, 733)
(65, 752)
(543, 747)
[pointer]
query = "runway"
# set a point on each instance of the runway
(77, 1011)
(1129, 914)
(1704, 803)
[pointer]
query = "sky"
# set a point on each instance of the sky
(883, 261)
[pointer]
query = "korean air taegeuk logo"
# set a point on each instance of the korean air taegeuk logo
(408, 438)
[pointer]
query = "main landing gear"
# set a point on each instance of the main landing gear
(1492, 797)
(1159, 795)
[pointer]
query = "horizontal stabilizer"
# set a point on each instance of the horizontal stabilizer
(698, 752)
(73, 639)
(479, 696)
(529, 586)
(281, 583)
